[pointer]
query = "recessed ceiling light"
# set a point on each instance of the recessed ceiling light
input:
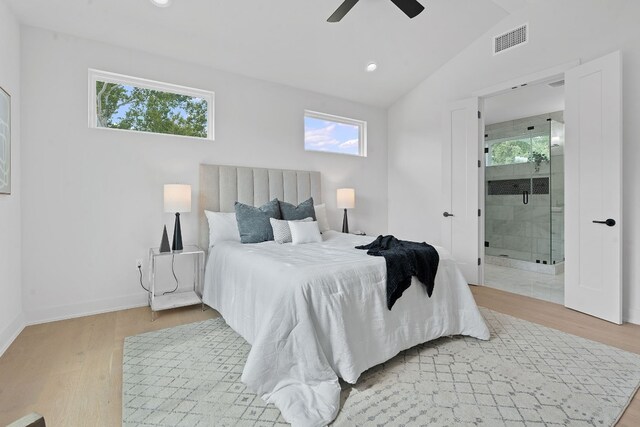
(161, 3)
(371, 67)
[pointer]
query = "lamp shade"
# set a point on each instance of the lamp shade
(346, 198)
(177, 198)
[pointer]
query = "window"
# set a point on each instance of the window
(333, 134)
(134, 104)
(527, 149)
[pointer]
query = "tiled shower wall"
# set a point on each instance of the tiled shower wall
(512, 228)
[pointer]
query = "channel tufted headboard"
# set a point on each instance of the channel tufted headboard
(222, 186)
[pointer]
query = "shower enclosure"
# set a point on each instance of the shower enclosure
(524, 193)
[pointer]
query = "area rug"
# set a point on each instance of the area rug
(526, 374)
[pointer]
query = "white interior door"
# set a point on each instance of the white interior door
(461, 196)
(593, 188)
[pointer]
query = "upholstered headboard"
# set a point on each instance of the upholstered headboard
(222, 186)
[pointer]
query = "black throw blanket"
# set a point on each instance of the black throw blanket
(404, 260)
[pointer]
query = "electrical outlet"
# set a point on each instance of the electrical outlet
(138, 263)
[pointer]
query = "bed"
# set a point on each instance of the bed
(317, 312)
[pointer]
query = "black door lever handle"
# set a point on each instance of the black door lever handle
(610, 222)
(447, 214)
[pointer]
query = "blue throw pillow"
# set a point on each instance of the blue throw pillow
(291, 212)
(253, 223)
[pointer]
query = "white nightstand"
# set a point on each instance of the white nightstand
(179, 298)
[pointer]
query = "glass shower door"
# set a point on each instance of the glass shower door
(518, 205)
(540, 200)
(557, 190)
(508, 193)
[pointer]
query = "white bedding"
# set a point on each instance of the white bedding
(316, 312)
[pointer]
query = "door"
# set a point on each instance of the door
(461, 186)
(593, 188)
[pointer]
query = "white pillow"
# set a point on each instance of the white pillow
(223, 227)
(321, 216)
(281, 230)
(304, 232)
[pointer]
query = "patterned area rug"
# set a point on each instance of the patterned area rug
(526, 374)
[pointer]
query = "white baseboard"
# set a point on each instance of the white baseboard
(87, 308)
(632, 316)
(52, 314)
(11, 332)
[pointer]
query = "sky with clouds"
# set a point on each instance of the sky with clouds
(324, 135)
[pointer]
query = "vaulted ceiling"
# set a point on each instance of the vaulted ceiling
(285, 41)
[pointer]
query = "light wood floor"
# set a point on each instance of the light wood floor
(71, 371)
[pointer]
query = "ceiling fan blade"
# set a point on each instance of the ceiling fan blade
(411, 8)
(342, 10)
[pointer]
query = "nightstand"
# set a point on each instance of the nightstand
(179, 298)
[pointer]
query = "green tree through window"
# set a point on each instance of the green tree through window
(520, 150)
(121, 106)
(540, 145)
(509, 152)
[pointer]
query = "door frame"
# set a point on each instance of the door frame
(547, 74)
(533, 78)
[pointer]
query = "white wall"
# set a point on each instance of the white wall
(528, 101)
(92, 198)
(561, 31)
(11, 320)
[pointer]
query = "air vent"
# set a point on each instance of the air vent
(510, 39)
(557, 84)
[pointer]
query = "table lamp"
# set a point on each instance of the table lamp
(177, 198)
(346, 200)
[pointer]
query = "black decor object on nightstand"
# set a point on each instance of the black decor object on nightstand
(164, 244)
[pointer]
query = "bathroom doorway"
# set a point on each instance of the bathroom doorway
(524, 191)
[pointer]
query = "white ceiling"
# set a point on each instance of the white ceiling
(285, 41)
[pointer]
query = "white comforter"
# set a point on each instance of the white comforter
(316, 312)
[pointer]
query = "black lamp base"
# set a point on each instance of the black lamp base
(177, 235)
(345, 223)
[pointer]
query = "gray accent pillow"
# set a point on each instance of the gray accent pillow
(291, 212)
(253, 223)
(281, 230)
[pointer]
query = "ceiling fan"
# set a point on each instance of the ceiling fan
(410, 7)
